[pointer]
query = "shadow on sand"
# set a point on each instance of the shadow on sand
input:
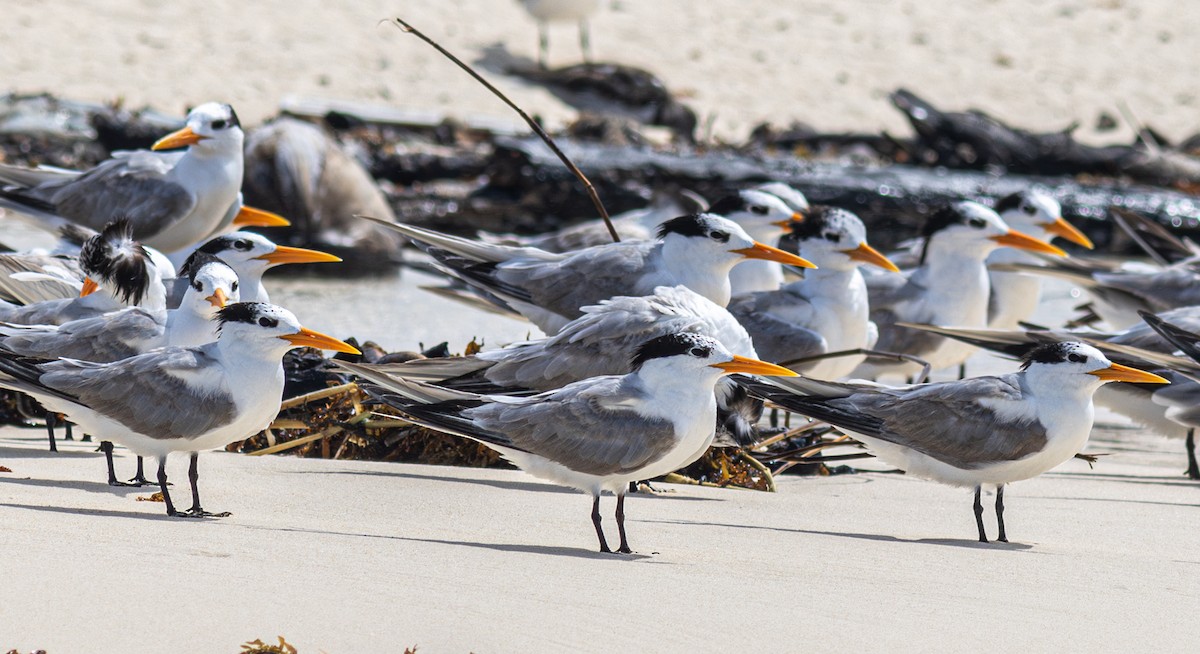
(950, 542)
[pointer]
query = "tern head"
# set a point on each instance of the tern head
(1036, 213)
(971, 229)
(705, 239)
(764, 216)
(213, 284)
(834, 239)
(112, 260)
(687, 355)
(212, 128)
(247, 251)
(270, 330)
(1072, 364)
(794, 199)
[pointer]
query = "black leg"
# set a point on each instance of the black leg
(596, 522)
(1003, 538)
(1193, 471)
(107, 448)
(543, 44)
(51, 421)
(624, 548)
(585, 40)
(979, 514)
(962, 370)
(193, 477)
(162, 485)
(140, 478)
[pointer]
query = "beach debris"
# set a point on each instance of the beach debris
(257, 646)
(154, 497)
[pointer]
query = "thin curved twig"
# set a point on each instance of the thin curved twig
(591, 190)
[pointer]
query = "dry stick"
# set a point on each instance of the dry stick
(612, 231)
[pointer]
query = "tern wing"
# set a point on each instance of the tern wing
(165, 393)
(135, 185)
(27, 279)
(776, 322)
(950, 421)
(110, 337)
(590, 427)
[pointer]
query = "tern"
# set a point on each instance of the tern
(983, 431)
(174, 200)
(827, 310)
(1147, 405)
(597, 434)
(177, 399)
(118, 271)
(763, 214)
(132, 331)
(603, 341)
(948, 287)
(697, 251)
(550, 11)
(250, 255)
(1014, 296)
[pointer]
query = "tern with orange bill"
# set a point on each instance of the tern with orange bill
(949, 286)
(176, 399)
(174, 199)
(250, 255)
(974, 433)
(825, 312)
(549, 289)
(598, 434)
(1014, 295)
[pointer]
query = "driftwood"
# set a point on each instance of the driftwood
(892, 199)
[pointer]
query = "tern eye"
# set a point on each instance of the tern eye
(977, 223)
(831, 236)
(198, 286)
(1029, 209)
(759, 209)
(234, 286)
(698, 352)
(219, 124)
(719, 236)
(268, 322)
(1076, 358)
(242, 245)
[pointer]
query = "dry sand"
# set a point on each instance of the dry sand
(1036, 63)
(359, 557)
(363, 557)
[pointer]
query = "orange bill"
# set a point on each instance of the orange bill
(178, 139)
(1068, 231)
(251, 217)
(754, 367)
(1118, 372)
(308, 338)
(218, 299)
(1014, 239)
(285, 254)
(761, 251)
(868, 254)
(89, 287)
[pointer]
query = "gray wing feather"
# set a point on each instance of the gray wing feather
(110, 337)
(946, 421)
(165, 407)
(775, 339)
(133, 185)
(584, 426)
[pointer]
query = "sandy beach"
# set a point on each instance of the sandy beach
(372, 557)
(1042, 65)
(340, 556)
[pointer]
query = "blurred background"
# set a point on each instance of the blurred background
(1041, 64)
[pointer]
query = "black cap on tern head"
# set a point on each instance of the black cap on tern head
(247, 312)
(195, 262)
(1050, 353)
(689, 225)
(673, 345)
